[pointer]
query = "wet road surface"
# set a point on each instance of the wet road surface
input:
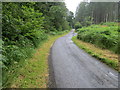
(73, 68)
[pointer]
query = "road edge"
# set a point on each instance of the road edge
(51, 78)
(51, 82)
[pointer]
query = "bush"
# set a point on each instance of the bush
(78, 25)
(103, 36)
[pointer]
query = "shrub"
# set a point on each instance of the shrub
(78, 25)
(103, 36)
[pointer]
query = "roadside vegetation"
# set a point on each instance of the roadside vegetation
(97, 28)
(104, 55)
(25, 26)
(33, 72)
(30, 28)
(104, 35)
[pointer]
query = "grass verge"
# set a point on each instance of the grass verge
(33, 73)
(103, 55)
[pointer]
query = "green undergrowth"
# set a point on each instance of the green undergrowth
(33, 71)
(104, 35)
(96, 53)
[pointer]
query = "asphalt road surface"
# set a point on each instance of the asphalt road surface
(73, 68)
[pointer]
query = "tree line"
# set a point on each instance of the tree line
(88, 13)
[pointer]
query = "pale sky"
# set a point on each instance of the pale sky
(72, 4)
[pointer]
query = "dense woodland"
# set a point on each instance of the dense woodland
(88, 13)
(26, 25)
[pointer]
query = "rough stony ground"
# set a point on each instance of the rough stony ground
(73, 68)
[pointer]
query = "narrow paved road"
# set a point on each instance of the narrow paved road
(73, 68)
